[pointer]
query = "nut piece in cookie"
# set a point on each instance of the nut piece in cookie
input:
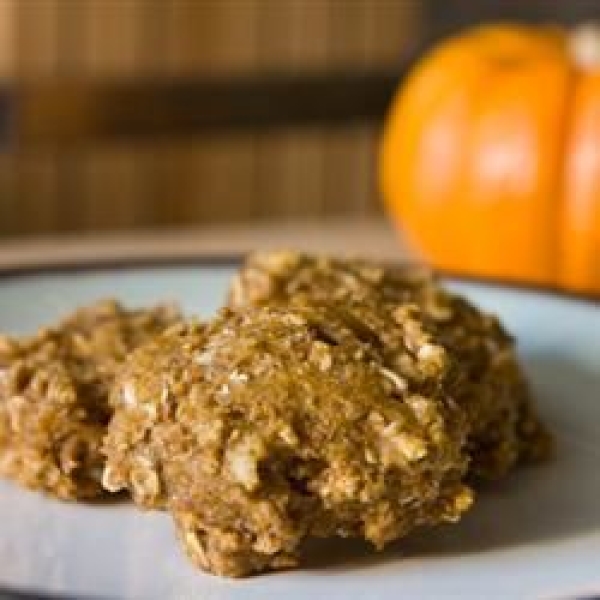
(54, 389)
(273, 425)
(486, 379)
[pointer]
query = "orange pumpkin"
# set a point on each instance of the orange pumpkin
(490, 158)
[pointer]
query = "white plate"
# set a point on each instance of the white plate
(534, 535)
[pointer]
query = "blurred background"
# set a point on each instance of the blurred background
(129, 114)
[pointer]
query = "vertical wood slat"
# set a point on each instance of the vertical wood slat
(36, 25)
(290, 174)
(7, 70)
(363, 33)
(346, 163)
(112, 194)
(111, 38)
(213, 37)
(290, 166)
(36, 193)
(144, 165)
(389, 28)
(70, 179)
(32, 198)
(8, 199)
(350, 186)
(212, 180)
(7, 38)
(219, 178)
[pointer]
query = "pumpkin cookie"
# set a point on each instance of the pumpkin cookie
(54, 389)
(275, 424)
(486, 379)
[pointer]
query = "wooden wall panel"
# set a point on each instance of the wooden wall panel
(235, 177)
(290, 175)
(220, 180)
(111, 38)
(36, 25)
(349, 168)
(7, 38)
(35, 194)
(8, 208)
(210, 180)
(293, 35)
(390, 28)
(213, 37)
(30, 200)
(114, 192)
(8, 204)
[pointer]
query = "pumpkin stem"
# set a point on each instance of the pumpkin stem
(584, 44)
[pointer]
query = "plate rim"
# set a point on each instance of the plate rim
(99, 265)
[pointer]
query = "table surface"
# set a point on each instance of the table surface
(365, 237)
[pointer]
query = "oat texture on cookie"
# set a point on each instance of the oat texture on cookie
(276, 424)
(485, 379)
(54, 389)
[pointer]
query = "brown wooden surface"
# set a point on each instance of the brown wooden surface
(307, 171)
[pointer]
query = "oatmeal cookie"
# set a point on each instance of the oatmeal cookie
(275, 424)
(487, 380)
(54, 389)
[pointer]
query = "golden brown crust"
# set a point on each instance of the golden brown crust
(54, 390)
